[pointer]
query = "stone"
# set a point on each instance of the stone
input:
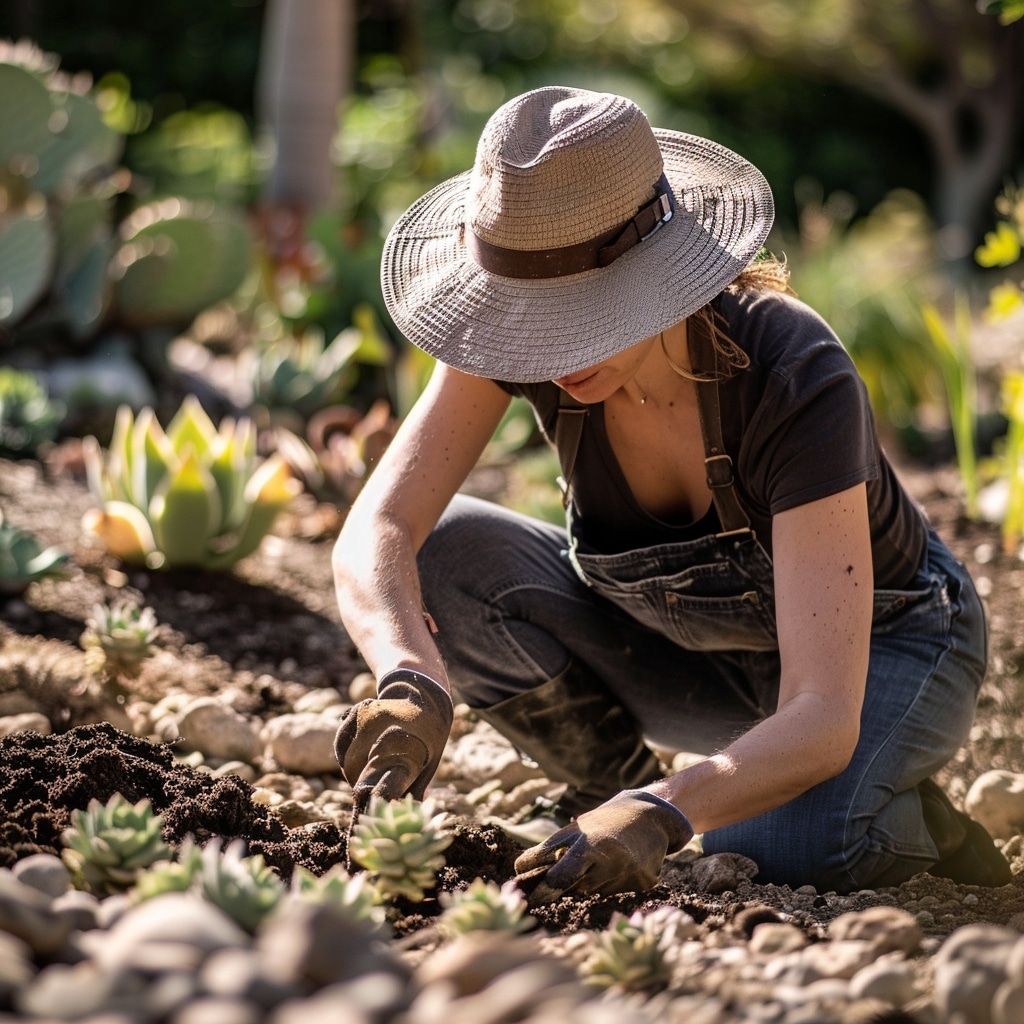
(302, 742)
(969, 968)
(481, 756)
(890, 978)
(318, 700)
(888, 929)
(27, 721)
(217, 730)
(218, 1010)
(773, 938)
(996, 800)
(27, 914)
(45, 872)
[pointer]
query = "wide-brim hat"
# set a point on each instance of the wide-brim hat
(579, 232)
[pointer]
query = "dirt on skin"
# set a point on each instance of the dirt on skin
(269, 630)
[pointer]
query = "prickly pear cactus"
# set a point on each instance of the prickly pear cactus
(484, 906)
(400, 843)
(108, 845)
(119, 638)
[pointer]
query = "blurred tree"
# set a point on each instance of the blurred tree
(955, 73)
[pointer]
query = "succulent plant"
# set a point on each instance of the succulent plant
(484, 906)
(108, 845)
(176, 875)
(191, 496)
(119, 638)
(27, 416)
(354, 894)
(631, 953)
(24, 560)
(245, 888)
(400, 843)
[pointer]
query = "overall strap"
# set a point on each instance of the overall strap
(718, 463)
(568, 431)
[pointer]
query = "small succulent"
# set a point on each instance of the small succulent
(177, 875)
(23, 560)
(400, 843)
(119, 638)
(109, 845)
(245, 888)
(191, 496)
(630, 954)
(484, 906)
(27, 416)
(354, 894)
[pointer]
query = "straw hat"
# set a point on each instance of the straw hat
(579, 231)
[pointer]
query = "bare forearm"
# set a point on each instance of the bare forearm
(379, 599)
(805, 742)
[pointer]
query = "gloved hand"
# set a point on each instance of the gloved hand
(391, 744)
(617, 847)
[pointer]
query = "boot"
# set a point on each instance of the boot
(967, 853)
(576, 732)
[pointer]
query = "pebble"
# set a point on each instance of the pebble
(45, 872)
(302, 742)
(215, 729)
(27, 721)
(996, 800)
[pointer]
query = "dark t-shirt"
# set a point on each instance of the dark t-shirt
(797, 424)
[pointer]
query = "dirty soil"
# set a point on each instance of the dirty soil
(269, 630)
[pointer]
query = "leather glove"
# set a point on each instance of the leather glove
(391, 744)
(617, 847)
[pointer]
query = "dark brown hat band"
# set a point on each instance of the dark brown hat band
(575, 259)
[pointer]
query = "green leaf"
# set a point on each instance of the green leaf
(27, 252)
(185, 513)
(1001, 247)
(1008, 11)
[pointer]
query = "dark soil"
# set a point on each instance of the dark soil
(269, 630)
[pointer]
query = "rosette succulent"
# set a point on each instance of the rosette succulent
(354, 894)
(484, 906)
(109, 845)
(177, 875)
(27, 416)
(23, 560)
(194, 495)
(119, 638)
(245, 888)
(631, 953)
(400, 843)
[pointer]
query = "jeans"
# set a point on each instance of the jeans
(515, 604)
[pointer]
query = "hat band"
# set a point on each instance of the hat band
(575, 259)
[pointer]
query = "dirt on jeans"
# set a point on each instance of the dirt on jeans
(269, 630)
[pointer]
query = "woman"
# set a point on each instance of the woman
(741, 574)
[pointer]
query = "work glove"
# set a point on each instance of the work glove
(391, 744)
(617, 847)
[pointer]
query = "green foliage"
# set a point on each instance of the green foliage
(23, 560)
(953, 354)
(108, 845)
(630, 954)
(119, 638)
(245, 888)
(400, 843)
(27, 416)
(353, 894)
(177, 874)
(193, 496)
(1008, 11)
(1013, 460)
(484, 906)
(66, 264)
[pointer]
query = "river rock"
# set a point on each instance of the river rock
(26, 913)
(482, 756)
(996, 799)
(27, 721)
(210, 726)
(302, 742)
(888, 929)
(969, 969)
(45, 872)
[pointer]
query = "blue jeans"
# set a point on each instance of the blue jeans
(515, 604)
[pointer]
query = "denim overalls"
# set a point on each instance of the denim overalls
(684, 635)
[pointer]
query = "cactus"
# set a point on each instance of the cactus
(245, 888)
(193, 496)
(23, 560)
(119, 638)
(483, 906)
(108, 845)
(177, 875)
(631, 953)
(401, 845)
(352, 893)
(27, 416)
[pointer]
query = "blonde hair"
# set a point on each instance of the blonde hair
(766, 273)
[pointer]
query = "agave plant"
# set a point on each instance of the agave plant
(400, 843)
(23, 560)
(119, 638)
(191, 496)
(631, 953)
(108, 845)
(484, 906)
(245, 888)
